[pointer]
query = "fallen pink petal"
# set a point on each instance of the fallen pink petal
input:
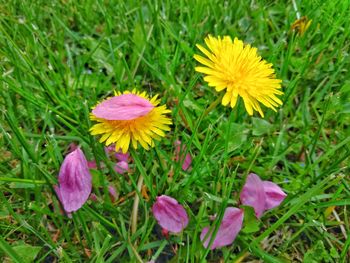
(187, 162)
(121, 167)
(112, 193)
(74, 181)
(179, 155)
(253, 194)
(261, 195)
(229, 228)
(274, 195)
(123, 107)
(170, 214)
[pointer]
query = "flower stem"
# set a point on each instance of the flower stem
(135, 207)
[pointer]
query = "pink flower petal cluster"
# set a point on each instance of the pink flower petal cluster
(74, 181)
(170, 215)
(180, 156)
(261, 195)
(122, 166)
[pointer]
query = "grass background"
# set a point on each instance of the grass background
(59, 58)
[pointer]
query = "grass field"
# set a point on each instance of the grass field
(59, 58)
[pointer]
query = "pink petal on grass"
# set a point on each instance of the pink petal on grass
(123, 107)
(179, 155)
(229, 228)
(74, 181)
(187, 162)
(253, 194)
(112, 193)
(121, 167)
(170, 214)
(274, 195)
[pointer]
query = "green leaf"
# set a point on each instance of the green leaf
(261, 127)
(27, 252)
(239, 138)
(250, 223)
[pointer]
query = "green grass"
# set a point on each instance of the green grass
(59, 58)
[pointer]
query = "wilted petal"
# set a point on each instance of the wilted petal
(123, 107)
(230, 226)
(170, 214)
(74, 181)
(253, 194)
(274, 195)
(121, 167)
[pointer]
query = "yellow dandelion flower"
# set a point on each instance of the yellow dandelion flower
(238, 69)
(130, 118)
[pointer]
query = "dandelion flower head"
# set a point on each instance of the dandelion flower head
(130, 118)
(239, 70)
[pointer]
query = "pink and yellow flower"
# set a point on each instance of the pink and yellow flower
(130, 118)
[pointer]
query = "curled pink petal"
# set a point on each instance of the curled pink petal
(229, 228)
(274, 195)
(253, 194)
(121, 167)
(123, 107)
(74, 181)
(170, 214)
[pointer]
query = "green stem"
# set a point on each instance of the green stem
(19, 180)
(135, 207)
